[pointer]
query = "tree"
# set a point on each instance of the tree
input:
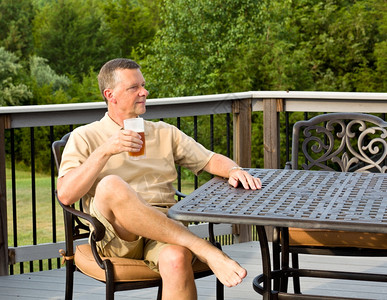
(12, 92)
(339, 37)
(16, 26)
(130, 23)
(372, 77)
(77, 36)
(203, 47)
(43, 75)
(70, 34)
(225, 46)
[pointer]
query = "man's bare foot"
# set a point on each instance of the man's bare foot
(227, 270)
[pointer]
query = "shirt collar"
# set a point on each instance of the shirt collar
(111, 125)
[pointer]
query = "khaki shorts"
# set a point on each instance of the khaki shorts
(113, 246)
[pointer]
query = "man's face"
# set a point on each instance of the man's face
(128, 97)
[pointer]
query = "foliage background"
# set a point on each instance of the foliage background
(51, 50)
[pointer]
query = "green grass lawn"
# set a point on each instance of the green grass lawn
(24, 214)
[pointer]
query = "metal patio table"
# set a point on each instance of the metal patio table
(293, 198)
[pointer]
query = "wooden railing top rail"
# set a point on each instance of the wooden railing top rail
(102, 105)
(291, 95)
(80, 113)
(323, 101)
(318, 95)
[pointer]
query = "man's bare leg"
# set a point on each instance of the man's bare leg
(175, 265)
(132, 217)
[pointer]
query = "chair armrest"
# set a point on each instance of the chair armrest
(180, 194)
(98, 231)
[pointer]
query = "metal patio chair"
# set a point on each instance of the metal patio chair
(342, 142)
(119, 274)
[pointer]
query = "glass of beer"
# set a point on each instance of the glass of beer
(137, 125)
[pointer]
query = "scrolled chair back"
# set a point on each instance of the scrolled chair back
(346, 142)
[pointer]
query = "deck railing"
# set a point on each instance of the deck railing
(275, 108)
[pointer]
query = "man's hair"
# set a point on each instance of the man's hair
(107, 77)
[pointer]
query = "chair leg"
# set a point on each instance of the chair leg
(219, 290)
(160, 291)
(109, 273)
(296, 279)
(69, 279)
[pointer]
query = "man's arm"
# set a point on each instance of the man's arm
(77, 182)
(223, 166)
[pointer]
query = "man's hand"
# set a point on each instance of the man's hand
(223, 166)
(78, 181)
(124, 140)
(238, 175)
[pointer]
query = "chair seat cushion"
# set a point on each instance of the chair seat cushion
(125, 269)
(330, 238)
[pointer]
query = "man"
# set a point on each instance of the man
(130, 197)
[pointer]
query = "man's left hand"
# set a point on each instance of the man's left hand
(237, 176)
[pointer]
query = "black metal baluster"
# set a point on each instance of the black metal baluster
(228, 121)
(384, 118)
(53, 202)
(305, 159)
(212, 131)
(287, 135)
(178, 125)
(196, 138)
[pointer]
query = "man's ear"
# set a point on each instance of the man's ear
(109, 95)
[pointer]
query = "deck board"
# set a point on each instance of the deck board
(50, 284)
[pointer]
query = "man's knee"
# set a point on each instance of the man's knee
(113, 185)
(175, 260)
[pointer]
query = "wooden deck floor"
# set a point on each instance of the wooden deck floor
(50, 284)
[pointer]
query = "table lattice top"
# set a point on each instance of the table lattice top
(306, 199)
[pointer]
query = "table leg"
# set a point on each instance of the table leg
(284, 258)
(266, 264)
(276, 255)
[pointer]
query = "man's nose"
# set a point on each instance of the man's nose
(144, 92)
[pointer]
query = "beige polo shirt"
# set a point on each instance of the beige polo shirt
(153, 176)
